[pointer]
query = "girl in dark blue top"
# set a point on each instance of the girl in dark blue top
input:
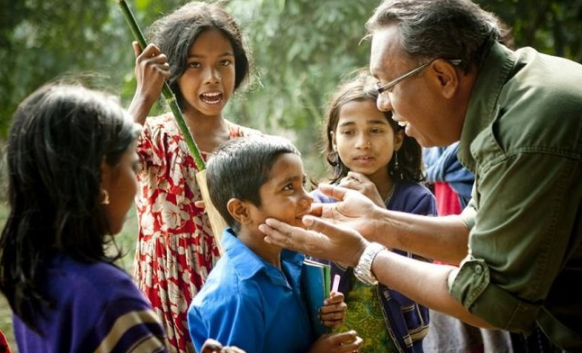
(369, 152)
(71, 165)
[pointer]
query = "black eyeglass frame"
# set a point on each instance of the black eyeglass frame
(390, 85)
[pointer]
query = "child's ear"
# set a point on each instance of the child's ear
(106, 174)
(238, 210)
(333, 143)
(399, 139)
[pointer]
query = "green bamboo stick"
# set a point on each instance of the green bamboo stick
(166, 91)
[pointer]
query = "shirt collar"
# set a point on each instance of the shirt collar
(484, 105)
(247, 263)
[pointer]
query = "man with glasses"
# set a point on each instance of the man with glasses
(517, 115)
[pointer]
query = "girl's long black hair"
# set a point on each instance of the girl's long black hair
(59, 137)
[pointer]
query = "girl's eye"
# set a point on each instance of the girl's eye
(194, 64)
(225, 63)
(288, 187)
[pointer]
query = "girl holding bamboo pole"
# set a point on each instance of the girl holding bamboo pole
(198, 49)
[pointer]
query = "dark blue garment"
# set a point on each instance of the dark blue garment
(442, 165)
(249, 303)
(406, 321)
(92, 305)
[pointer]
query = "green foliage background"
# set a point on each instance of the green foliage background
(302, 49)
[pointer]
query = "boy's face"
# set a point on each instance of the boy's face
(282, 195)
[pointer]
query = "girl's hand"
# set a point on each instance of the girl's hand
(333, 312)
(359, 182)
(346, 342)
(151, 71)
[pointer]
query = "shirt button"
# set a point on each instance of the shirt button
(478, 269)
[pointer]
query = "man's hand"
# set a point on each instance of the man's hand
(321, 239)
(353, 210)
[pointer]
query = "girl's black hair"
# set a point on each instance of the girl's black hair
(176, 33)
(59, 137)
(361, 88)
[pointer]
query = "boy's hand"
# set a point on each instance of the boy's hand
(346, 342)
(333, 312)
(212, 346)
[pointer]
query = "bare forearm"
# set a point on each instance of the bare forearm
(438, 238)
(139, 108)
(425, 283)
(151, 71)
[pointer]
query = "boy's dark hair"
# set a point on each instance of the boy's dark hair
(175, 33)
(59, 137)
(240, 167)
(361, 89)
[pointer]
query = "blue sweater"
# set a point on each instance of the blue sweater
(94, 305)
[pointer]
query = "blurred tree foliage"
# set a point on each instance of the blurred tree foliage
(301, 48)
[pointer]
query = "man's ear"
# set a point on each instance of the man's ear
(445, 76)
(238, 210)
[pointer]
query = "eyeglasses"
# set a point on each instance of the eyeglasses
(390, 85)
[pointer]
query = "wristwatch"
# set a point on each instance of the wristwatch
(363, 271)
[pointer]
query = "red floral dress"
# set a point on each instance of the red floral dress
(175, 248)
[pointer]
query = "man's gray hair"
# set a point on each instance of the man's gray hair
(447, 29)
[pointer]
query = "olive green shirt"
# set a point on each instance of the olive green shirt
(522, 138)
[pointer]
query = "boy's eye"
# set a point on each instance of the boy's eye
(347, 132)
(225, 63)
(288, 187)
(377, 131)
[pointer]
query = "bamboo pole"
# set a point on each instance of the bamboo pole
(166, 91)
(217, 223)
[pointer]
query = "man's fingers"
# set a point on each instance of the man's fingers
(316, 209)
(291, 237)
(316, 240)
(337, 192)
(279, 233)
(352, 243)
(320, 225)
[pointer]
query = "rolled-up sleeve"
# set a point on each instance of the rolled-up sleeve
(520, 231)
